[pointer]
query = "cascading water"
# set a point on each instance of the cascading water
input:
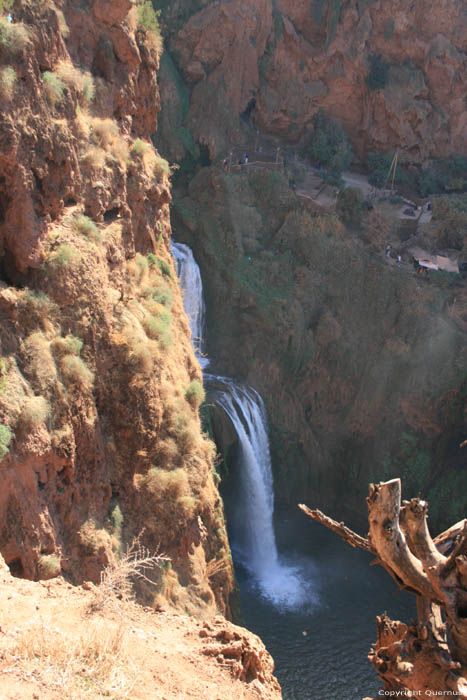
(252, 528)
(193, 302)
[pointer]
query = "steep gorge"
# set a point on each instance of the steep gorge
(362, 364)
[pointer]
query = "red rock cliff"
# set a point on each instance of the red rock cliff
(99, 390)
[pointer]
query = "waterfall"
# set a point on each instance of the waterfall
(253, 538)
(193, 302)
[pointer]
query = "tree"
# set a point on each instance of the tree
(349, 206)
(431, 655)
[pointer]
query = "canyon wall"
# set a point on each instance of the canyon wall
(391, 72)
(100, 437)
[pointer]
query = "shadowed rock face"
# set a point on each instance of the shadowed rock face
(99, 441)
(294, 58)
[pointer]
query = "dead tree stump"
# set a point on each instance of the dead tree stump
(430, 657)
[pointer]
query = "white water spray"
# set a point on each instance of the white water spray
(252, 526)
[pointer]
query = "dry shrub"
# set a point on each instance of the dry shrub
(161, 168)
(97, 663)
(104, 132)
(86, 227)
(74, 371)
(217, 566)
(94, 157)
(141, 352)
(144, 152)
(117, 579)
(14, 37)
(39, 307)
(71, 76)
(48, 566)
(7, 82)
(62, 24)
(39, 360)
(35, 411)
(172, 484)
(82, 125)
(168, 453)
(69, 345)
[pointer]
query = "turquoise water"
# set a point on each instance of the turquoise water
(320, 649)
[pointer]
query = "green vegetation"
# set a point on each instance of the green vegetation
(161, 167)
(195, 393)
(7, 82)
(329, 144)
(140, 147)
(379, 164)
(54, 87)
(86, 227)
(5, 6)
(159, 328)
(444, 175)
(69, 345)
(64, 257)
(162, 264)
(377, 77)
(349, 206)
(450, 215)
(6, 436)
(14, 37)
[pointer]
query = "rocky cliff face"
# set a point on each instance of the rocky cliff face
(391, 72)
(100, 436)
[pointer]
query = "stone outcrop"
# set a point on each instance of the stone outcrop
(392, 73)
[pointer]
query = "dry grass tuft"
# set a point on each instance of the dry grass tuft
(94, 157)
(96, 664)
(39, 360)
(7, 82)
(74, 371)
(35, 411)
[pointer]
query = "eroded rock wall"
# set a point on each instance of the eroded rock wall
(100, 437)
(294, 58)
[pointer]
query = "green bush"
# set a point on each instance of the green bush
(379, 164)
(14, 37)
(349, 206)
(195, 393)
(163, 265)
(5, 6)
(329, 144)
(158, 328)
(65, 256)
(140, 147)
(54, 87)
(377, 77)
(87, 227)
(6, 436)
